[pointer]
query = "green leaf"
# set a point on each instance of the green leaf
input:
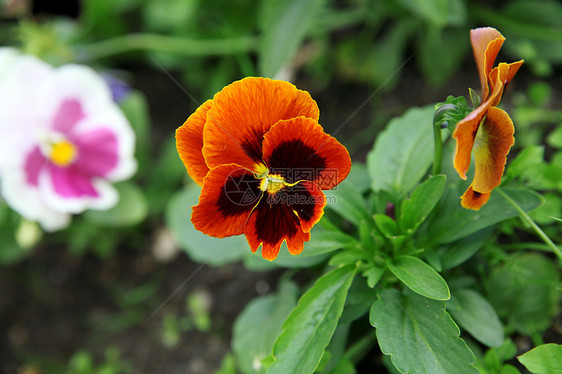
(259, 324)
(546, 358)
(373, 275)
(336, 350)
(359, 299)
(440, 52)
(419, 335)
(200, 247)
(478, 317)
(523, 291)
(461, 250)
(132, 208)
(419, 277)
(402, 152)
(165, 176)
(366, 235)
(492, 360)
(10, 251)
(507, 350)
(453, 115)
(454, 222)
(433, 259)
(349, 256)
(539, 93)
(309, 328)
(284, 24)
(344, 366)
(382, 65)
(421, 202)
(135, 108)
(552, 207)
(348, 202)
(432, 11)
(457, 13)
(386, 225)
(524, 165)
(509, 369)
(324, 241)
(228, 365)
(358, 177)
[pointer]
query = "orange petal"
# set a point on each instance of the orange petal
(474, 200)
(486, 44)
(494, 139)
(270, 224)
(229, 194)
(189, 143)
(295, 244)
(299, 149)
(465, 134)
(497, 86)
(500, 77)
(243, 112)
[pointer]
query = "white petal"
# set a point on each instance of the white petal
(7, 57)
(106, 199)
(75, 82)
(21, 118)
(24, 199)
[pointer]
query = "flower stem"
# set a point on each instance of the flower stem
(535, 227)
(438, 124)
(437, 141)
(163, 43)
(438, 151)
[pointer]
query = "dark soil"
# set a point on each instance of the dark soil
(54, 304)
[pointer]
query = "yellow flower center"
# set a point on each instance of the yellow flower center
(272, 183)
(63, 153)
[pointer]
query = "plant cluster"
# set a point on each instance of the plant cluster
(439, 251)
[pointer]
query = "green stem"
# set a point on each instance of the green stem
(526, 246)
(438, 140)
(437, 136)
(535, 227)
(171, 44)
(438, 153)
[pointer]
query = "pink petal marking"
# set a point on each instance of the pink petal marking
(68, 114)
(69, 182)
(33, 164)
(97, 152)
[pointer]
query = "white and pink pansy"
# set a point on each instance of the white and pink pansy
(62, 141)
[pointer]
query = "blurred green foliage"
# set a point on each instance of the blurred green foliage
(366, 41)
(82, 362)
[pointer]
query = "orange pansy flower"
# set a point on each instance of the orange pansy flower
(263, 160)
(488, 131)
